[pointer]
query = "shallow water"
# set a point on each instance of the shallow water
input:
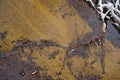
(41, 34)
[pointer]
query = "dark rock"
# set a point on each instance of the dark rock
(118, 62)
(3, 35)
(0, 46)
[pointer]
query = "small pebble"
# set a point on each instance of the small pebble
(22, 72)
(0, 46)
(34, 72)
(118, 62)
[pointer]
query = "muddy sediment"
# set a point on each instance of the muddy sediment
(67, 49)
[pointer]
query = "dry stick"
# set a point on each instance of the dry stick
(102, 57)
(63, 66)
(77, 40)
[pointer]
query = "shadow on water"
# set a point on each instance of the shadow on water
(113, 35)
(93, 20)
